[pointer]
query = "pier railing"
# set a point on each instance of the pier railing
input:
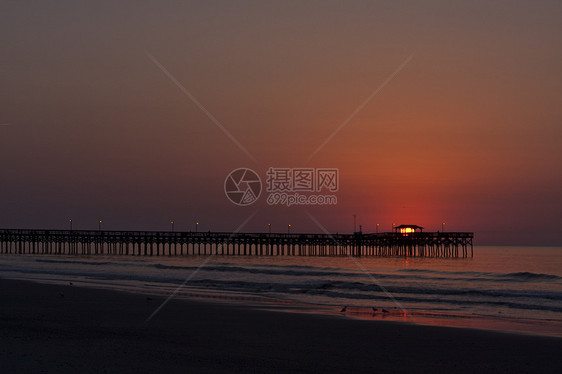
(165, 243)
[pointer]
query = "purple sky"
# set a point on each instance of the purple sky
(464, 126)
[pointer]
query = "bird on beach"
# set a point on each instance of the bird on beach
(374, 309)
(70, 283)
(343, 309)
(148, 299)
(385, 311)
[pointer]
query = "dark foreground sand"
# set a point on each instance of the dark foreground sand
(98, 331)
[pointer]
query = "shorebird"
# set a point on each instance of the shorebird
(70, 283)
(374, 309)
(148, 298)
(385, 311)
(343, 309)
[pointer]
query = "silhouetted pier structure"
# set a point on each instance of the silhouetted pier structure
(162, 243)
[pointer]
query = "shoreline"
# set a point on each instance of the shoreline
(264, 302)
(62, 328)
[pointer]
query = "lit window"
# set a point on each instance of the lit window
(406, 230)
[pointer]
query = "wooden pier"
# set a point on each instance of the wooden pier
(162, 243)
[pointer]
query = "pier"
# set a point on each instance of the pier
(166, 243)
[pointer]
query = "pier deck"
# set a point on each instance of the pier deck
(165, 243)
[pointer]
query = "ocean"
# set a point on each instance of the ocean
(515, 289)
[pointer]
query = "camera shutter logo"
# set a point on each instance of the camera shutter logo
(242, 186)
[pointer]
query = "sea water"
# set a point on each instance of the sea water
(503, 288)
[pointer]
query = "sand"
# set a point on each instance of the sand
(69, 329)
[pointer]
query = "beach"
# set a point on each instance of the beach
(63, 329)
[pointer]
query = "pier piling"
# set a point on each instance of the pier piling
(159, 243)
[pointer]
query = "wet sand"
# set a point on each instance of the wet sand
(68, 329)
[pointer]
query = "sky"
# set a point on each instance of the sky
(135, 113)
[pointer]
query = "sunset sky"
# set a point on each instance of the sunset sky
(468, 131)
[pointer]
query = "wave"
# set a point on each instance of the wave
(309, 285)
(427, 271)
(532, 276)
(312, 272)
(94, 263)
(479, 276)
(434, 291)
(344, 289)
(333, 291)
(337, 291)
(333, 273)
